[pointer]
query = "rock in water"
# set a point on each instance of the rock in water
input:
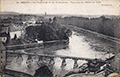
(43, 71)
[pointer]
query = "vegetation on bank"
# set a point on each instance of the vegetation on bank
(103, 25)
(48, 31)
(35, 30)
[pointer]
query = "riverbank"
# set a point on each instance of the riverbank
(98, 42)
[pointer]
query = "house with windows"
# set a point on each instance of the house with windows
(4, 34)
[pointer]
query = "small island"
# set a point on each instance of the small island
(48, 31)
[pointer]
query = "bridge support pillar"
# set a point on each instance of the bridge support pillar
(63, 63)
(75, 63)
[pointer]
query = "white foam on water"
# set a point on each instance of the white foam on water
(77, 48)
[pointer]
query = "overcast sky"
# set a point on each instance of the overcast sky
(80, 7)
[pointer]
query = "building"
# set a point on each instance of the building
(4, 34)
(3, 37)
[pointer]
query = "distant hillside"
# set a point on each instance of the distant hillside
(6, 12)
(61, 15)
(92, 16)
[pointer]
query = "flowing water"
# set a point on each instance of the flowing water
(78, 47)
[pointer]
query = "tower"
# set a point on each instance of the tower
(45, 13)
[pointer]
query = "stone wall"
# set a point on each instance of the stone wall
(2, 57)
(116, 62)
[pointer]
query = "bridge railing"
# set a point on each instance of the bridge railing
(42, 59)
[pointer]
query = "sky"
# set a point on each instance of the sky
(79, 7)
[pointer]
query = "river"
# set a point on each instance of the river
(78, 47)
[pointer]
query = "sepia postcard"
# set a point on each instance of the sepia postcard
(59, 38)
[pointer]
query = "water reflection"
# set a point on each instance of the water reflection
(80, 48)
